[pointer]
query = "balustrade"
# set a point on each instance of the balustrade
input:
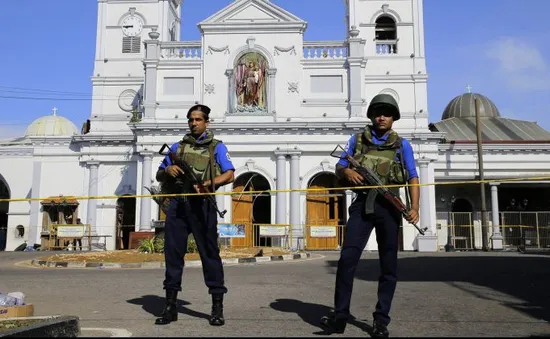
(325, 50)
(181, 50)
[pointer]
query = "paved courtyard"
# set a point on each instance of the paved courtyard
(455, 294)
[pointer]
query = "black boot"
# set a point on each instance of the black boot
(216, 318)
(170, 312)
(333, 324)
(379, 330)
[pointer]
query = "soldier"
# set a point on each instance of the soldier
(392, 158)
(210, 160)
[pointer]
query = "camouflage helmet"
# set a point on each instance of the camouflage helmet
(388, 102)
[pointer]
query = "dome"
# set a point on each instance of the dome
(51, 126)
(463, 107)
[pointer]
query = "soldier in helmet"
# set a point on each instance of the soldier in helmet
(210, 160)
(391, 158)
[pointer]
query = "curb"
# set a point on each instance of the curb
(160, 264)
(52, 326)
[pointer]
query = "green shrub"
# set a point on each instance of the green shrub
(151, 245)
(192, 245)
(156, 245)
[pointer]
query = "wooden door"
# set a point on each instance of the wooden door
(322, 210)
(242, 214)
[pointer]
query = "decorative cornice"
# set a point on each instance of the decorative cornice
(175, 64)
(17, 151)
(130, 80)
(317, 63)
(256, 27)
(401, 78)
(494, 148)
(119, 138)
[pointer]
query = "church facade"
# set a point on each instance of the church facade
(279, 103)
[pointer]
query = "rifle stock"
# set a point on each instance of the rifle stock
(192, 177)
(374, 180)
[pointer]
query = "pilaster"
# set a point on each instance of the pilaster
(231, 90)
(356, 61)
(271, 87)
(152, 53)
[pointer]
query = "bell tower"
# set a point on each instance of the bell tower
(117, 80)
(394, 35)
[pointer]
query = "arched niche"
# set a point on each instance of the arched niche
(251, 76)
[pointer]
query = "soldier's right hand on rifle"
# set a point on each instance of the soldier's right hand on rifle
(174, 171)
(353, 177)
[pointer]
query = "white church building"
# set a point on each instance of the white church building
(281, 105)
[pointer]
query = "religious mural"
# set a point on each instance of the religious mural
(251, 83)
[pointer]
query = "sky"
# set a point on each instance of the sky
(501, 48)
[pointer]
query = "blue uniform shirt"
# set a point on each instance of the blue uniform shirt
(221, 154)
(408, 155)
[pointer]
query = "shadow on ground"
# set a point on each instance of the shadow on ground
(525, 278)
(154, 305)
(312, 313)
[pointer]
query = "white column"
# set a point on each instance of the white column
(145, 206)
(35, 220)
(295, 224)
(91, 215)
(425, 197)
(496, 237)
(427, 242)
(220, 200)
(280, 206)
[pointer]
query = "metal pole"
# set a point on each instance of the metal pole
(449, 246)
(484, 238)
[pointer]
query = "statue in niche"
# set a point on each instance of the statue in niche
(250, 83)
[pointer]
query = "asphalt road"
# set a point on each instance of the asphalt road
(455, 294)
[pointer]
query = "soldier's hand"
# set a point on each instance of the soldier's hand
(413, 216)
(201, 189)
(353, 177)
(174, 171)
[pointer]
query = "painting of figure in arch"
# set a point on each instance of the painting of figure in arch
(251, 83)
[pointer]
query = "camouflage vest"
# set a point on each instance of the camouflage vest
(381, 158)
(200, 157)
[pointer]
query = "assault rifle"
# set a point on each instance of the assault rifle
(374, 180)
(191, 176)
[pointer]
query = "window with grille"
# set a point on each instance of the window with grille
(131, 44)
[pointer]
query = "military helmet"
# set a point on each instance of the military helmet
(388, 102)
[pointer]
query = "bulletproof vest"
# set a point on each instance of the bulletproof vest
(381, 160)
(200, 157)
